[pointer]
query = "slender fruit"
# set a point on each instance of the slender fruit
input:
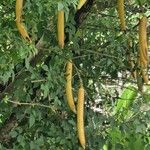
(143, 68)
(143, 38)
(80, 116)
(20, 26)
(19, 5)
(145, 76)
(69, 86)
(60, 28)
(80, 4)
(143, 48)
(121, 14)
(143, 61)
(23, 31)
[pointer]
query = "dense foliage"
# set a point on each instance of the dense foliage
(34, 113)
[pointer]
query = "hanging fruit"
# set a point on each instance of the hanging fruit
(69, 94)
(19, 5)
(60, 28)
(121, 14)
(143, 49)
(80, 116)
(23, 31)
(19, 24)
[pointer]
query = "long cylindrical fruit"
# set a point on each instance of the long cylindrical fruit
(142, 60)
(60, 28)
(69, 94)
(143, 39)
(19, 5)
(143, 35)
(121, 14)
(20, 26)
(23, 31)
(145, 76)
(143, 48)
(80, 4)
(80, 116)
(143, 69)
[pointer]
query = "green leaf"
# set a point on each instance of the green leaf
(13, 134)
(128, 96)
(45, 67)
(105, 147)
(60, 6)
(45, 88)
(31, 120)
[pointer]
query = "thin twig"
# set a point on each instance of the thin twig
(29, 104)
(78, 73)
(100, 53)
(35, 81)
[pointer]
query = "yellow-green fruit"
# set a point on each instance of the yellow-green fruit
(80, 117)
(69, 94)
(80, 4)
(121, 14)
(60, 28)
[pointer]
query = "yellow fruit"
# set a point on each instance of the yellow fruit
(145, 76)
(143, 48)
(60, 28)
(23, 31)
(143, 39)
(19, 5)
(20, 26)
(80, 117)
(121, 14)
(142, 59)
(80, 4)
(69, 94)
